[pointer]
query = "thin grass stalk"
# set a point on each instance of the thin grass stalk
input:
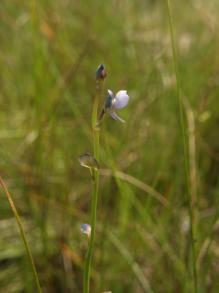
(192, 161)
(95, 188)
(22, 234)
(185, 148)
(137, 183)
(139, 274)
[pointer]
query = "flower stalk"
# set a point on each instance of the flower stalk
(111, 104)
(95, 187)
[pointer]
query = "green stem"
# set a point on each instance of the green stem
(95, 187)
(21, 229)
(185, 148)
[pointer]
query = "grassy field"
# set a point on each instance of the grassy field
(156, 181)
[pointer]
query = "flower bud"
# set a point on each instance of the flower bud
(88, 161)
(101, 72)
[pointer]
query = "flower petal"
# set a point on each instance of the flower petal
(121, 99)
(86, 229)
(116, 117)
(110, 93)
(109, 100)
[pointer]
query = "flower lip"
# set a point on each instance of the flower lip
(116, 117)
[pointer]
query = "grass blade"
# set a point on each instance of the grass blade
(22, 233)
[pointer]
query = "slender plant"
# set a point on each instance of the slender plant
(111, 104)
(22, 233)
(185, 148)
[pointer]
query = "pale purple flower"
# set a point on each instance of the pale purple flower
(86, 229)
(113, 103)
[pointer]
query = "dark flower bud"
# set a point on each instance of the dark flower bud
(101, 72)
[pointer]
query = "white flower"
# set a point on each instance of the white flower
(86, 229)
(112, 103)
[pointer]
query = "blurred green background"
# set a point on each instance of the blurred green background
(49, 51)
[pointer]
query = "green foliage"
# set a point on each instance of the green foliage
(49, 52)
